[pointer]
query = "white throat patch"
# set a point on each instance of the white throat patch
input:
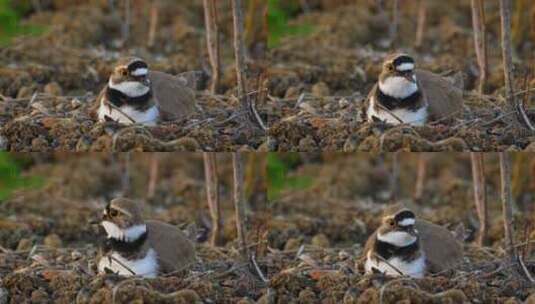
(398, 87)
(146, 267)
(127, 235)
(397, 238)
(130, 88)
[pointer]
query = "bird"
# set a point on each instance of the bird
(408, 246)
(136, 95)
(141, 248)
(406, 95)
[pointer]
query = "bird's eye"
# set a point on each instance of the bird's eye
(391, 223)
(113, 213)
(390, 67)
(124, 72)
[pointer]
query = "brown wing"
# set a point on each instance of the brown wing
(175, 250)
(359, 264)
(174, 99)
(93, 109)
(442, 250)
(444, 99)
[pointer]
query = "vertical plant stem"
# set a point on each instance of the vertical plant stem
(153, 26)
(480, 42)
(422, 18)
(125, 176)
(239, 203)
(212, 42)
(393, 30)
(212, 194)
(480, 195)
(127, 20)
(153, 174)
(394, 177)
(507, 204)
(420, 176)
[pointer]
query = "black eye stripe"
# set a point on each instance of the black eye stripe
(404, 215)
(403, 59)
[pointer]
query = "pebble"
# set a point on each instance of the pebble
(320, 240)
(52, 240)
(24, 244)
(4, 296)
(292, 244)
(53, 89)
(320, 89)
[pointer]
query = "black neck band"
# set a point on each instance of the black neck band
(387, 250)
(411, 102)
(119, 99)
(125, 247)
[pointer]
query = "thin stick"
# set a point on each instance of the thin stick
(127, 19)
(480, 42)
(422, 18)
(212, 194)
(507, 204)
(388, 263)
(153, 25)
(212, 42)
(393, 30)
(420, 176)
(239, 54)
(153, 174)
(239, 203)
(260, 274)
(480, 195)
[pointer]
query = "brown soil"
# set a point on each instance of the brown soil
(48, 248)
(47, 83)
(317, 234)
(319, 81)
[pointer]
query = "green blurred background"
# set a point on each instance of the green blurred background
(11, 177)
(11, 13)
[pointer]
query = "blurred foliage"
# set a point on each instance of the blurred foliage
(278, 17)
(10, 21)
(11, 178)
(278, 165)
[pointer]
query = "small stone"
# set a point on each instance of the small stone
(4, 296)
(53, 89)
(292, 92)
(343, 255)
(4, 143)
(25, 92)
(530, 299)
(24, 244)
(343, 103)
(351, 296)
(292, 244)
(246, 301)
(75, 103)
(52, 240)
(39, 296)
(320, 240)
(320, 89)
(307, 144)
(307, 296)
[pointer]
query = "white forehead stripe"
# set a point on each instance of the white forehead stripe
(140, 72)
(405, 67)
(406, 222)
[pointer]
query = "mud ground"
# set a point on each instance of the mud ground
(317, 233)
(48, 82)
(48, 248)
(319, 81)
